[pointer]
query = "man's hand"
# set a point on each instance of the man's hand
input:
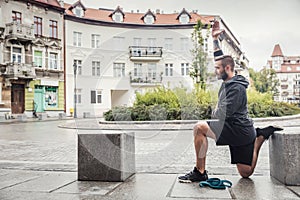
(216, 31)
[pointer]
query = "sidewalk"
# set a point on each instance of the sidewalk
(166, 153)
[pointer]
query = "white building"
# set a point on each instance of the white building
(119, 53)
(288, 72)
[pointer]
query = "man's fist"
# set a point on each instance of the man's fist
(216, 31)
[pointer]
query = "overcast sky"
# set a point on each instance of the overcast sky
(258, 24)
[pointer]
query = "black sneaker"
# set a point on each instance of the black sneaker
(193, 176)
(267, 131)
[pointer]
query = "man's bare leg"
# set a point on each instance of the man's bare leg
(247, 170)
(201, 132)
(263, 134)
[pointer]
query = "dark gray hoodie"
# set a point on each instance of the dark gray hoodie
(232, 102)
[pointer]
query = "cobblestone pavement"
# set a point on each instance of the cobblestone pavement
(41, 147)
(44, 145)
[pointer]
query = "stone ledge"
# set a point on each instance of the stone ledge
(106, 156)
(284, 154)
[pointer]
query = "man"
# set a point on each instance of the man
(233, 126)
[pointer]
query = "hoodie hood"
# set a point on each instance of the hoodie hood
(238, 79)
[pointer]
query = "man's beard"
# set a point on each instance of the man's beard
(223, 76)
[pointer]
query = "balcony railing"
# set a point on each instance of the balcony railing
(146, 80)
(19, 70)
(147, 53)
(19, 31)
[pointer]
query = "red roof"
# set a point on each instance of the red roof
(136, 18)
(49, 2)
(277, 51)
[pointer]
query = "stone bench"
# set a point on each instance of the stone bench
(21, 117)
(61, 115)
(86, 115)
(42, 116)
(284, 153)
(105, 155)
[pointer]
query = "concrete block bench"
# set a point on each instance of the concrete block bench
(86, 115)
(61, 115)
(21, 117)
(284, 153)
(105, 155)
(42, 116)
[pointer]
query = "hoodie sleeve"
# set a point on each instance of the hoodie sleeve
(228, 105)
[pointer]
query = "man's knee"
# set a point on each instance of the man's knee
(200, 129)
(244, 170)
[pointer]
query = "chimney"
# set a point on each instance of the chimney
(157, 11)
(138, 11)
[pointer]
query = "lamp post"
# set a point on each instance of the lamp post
(75, 94)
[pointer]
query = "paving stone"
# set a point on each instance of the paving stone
(260, 187)
(193, 190)
(295, 189)
(13, 177)
(89, 187)
(21, 195)
(47, 183)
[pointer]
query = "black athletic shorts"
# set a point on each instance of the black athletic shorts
(239, 138)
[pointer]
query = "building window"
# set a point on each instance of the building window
(152, 44)
(78, 11)
(79, 66)
(16, 54)
(184, 19)
(152, 71)
(53, 29)
(38, 26)
(95, 68)
(51, 96)
(118, 17)
(77, 39)
(137, 42)
(96, 96)
(289, 68)
(16, 17)
(169, 43)
(185, 69)
(95, 41)
(119, 69)
(149, 19)
(38, 59)
(137, 70)
(168, 69)
(78, 96)
(53, 61)
(184, 44)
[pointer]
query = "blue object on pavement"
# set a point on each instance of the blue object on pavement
(215, 183)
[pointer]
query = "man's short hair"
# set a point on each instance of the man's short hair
(227, 60)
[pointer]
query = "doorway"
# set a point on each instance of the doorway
(17, 98)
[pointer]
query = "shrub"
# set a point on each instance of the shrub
(179, 104)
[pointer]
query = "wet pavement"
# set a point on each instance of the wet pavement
(38, 160)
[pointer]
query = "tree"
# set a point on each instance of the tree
(198, 71)
(265, 80)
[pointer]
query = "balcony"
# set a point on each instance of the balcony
(146, 80)
(19, 71)
(19, 31)
(139, 53)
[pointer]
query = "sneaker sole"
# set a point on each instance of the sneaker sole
(184, 181)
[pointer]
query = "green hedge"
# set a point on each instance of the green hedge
(179, 104)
